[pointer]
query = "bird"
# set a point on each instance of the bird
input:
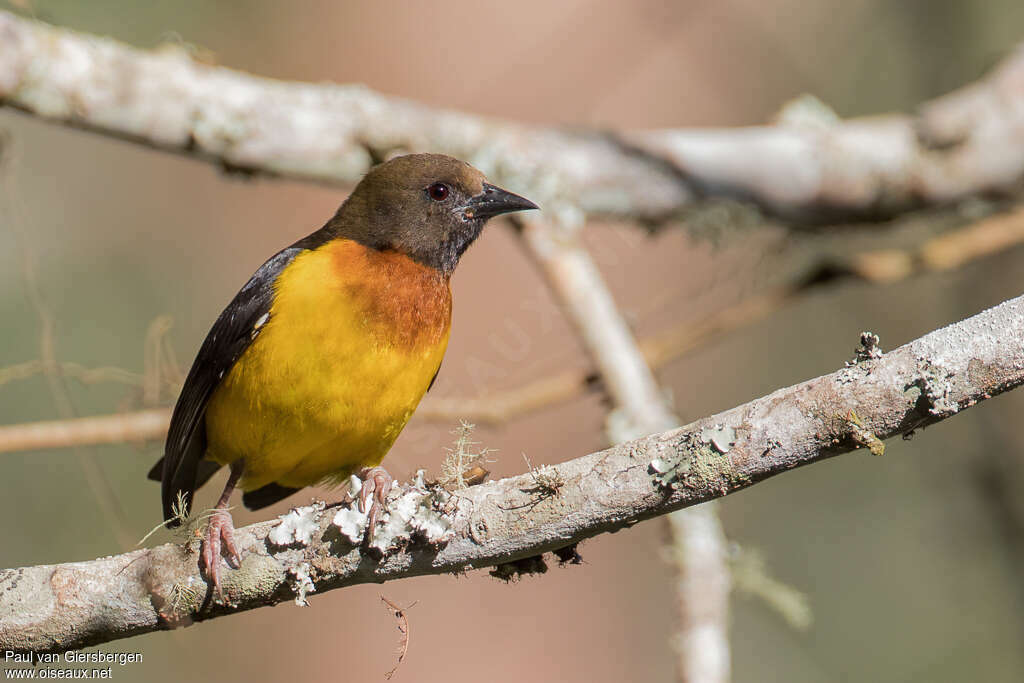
(316, 365)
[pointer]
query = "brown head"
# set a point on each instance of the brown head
(428, 206)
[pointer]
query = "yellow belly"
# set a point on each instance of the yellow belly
(334, 374)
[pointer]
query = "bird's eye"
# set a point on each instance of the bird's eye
(438, 192)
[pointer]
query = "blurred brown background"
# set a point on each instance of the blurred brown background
(911, 562)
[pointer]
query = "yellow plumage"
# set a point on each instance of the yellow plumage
(353, 340)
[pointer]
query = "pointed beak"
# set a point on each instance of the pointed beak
(494, 201)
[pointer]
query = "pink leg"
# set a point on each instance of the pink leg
(220, 534)
(377, 483)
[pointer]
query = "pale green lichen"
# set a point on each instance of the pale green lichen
(705, 468)
(712, 470)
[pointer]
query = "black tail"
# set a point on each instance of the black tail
(205, 470)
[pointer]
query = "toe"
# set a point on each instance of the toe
(364, 495)
(211, 554)
(220, 535)
(382, 486)
(227, 534)
(373, 497)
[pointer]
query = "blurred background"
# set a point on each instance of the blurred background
(911, 563)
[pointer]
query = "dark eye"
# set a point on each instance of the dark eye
(438, 192)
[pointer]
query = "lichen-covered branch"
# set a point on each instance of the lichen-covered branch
(806, 166)
(72, 605)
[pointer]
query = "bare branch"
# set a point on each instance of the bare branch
(137, 426)
(69, 606)
(815, 168)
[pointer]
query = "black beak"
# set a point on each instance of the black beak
(494, 201)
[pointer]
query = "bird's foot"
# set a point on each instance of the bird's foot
(220, 534)
(376, 483)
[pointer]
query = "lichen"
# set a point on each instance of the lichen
(706, 467)
(868, 349)
(936, 386)
(546, 479)
(710, 470)
(722, 437)
(461, 467)
(351, 522)
(416, 511)
(297, 526)
(301, 583)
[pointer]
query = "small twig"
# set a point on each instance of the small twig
(953, 249)
(76, 371)
(751, 576)
(403, 628)
(138, 426)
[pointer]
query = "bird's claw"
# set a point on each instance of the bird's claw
(377, 483)
(220, 534)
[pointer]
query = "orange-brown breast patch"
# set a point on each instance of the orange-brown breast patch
(403, 302)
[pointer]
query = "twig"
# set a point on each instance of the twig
(953, 249)
(77, 371)
(750, 576)
(136, 426)
(69, 606)
(403, 628)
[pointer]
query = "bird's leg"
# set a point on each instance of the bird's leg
(377, 483)
(221, 533)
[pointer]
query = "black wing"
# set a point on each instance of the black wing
(230, 336)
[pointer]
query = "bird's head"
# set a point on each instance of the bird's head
(428, 206)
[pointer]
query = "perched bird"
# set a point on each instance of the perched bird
(316, 365)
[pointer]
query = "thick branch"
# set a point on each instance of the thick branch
(816, 167)
(73, 605)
